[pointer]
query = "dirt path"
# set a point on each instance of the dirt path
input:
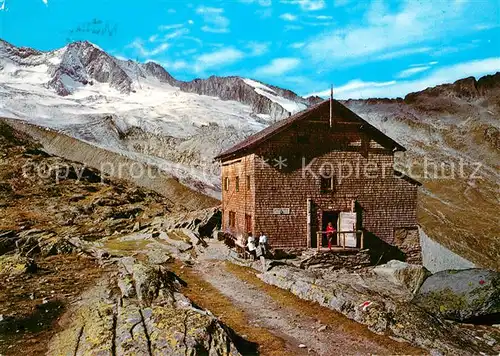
(292, 320)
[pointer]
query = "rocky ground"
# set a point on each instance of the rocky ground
(45, 198)
(32, 300)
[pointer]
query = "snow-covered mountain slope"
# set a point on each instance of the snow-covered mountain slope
(141, 111)
(136, 109)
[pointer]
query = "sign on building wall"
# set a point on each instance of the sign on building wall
(281, 211)
(347, 222)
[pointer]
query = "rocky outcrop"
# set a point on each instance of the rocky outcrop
(467, 88)
(145, 316)
(12, 265)
(407, 275)
(203, 222)
(81, 63)
(436, 257)
(472, 294)
(234, 88)
(157, 71)
(337, 260)
(383, 306)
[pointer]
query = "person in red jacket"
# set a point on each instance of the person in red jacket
(330, 233)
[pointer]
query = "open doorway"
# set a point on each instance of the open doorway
(326, 217)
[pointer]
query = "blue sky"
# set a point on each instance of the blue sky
(364, 48)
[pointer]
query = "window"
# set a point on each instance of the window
(226, 183)
(248, 182)
(248, 222)
(237, 184)
(327, 184)
(232, 219)
(303, 138)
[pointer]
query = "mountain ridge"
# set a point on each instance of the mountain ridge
(82, 62)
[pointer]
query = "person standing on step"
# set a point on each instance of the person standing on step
(330, 232)
(263, 243)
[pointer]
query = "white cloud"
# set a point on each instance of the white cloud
(171, 35)
(358, 89)
(293, 28)
(297, 45)
(220, 57)
(307, 5)
(403, 52)
(258, 48)
(424, 64)
(190, 22)
(288, 17)
(385, 34)
(176, 33)
(170, 27)
(189, 52)
(215, 21)
(46, 2)
(412, 71)
(264, 3)
(214, 29)
(2, 4)
(145, 52)
(323, 17)
(278, 66)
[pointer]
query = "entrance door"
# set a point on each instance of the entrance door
(326, 217)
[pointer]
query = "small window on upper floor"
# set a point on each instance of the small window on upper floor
(237, 184)
(327, 184)
(226, 183)
(248, 182)
(303, 138)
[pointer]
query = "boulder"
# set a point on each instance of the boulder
(369, 299)
(337, 260)
(12, 265)
(404, 274)
(462, 295)
(154, 320)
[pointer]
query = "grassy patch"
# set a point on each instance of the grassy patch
(179, 236)
(31, 303)
(324, 315)
(126, 247)
(206, 296)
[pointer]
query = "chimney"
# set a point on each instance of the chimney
(331, 107)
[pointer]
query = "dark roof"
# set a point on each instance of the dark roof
(261, 136)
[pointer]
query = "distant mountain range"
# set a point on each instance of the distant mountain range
(141, 111)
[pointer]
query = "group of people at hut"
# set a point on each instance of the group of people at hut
(257, 249)
(260, 248)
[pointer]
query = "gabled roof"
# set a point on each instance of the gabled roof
(407, 178)
(338, 109)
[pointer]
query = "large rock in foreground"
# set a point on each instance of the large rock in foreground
(144, 316)
(404, 274)
(383, 306)
(472, 294)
